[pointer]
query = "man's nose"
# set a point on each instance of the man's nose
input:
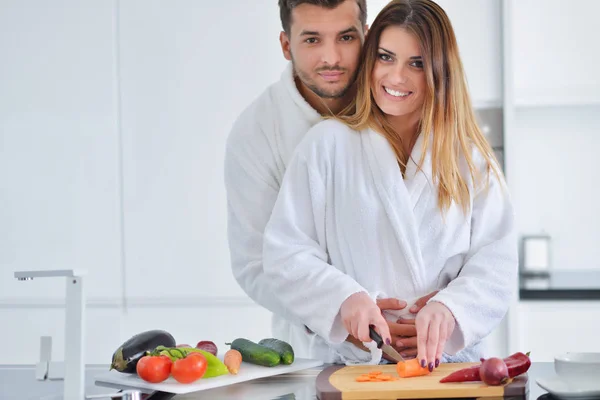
(331, 54)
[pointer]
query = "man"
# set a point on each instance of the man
(322, 39)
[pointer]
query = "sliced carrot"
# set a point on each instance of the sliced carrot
(375, 373)
(411, 368)
(375, 377)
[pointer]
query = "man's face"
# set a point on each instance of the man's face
(324, 46)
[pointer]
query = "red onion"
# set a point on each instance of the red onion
(494, 371)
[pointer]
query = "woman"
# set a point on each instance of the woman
(357, 218)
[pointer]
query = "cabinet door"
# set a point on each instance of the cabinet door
(477, 24)
(59, 147)
(188, 69)
(549, 328)
(555, 52)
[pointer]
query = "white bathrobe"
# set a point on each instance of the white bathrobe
(258, 150)
(346, 221)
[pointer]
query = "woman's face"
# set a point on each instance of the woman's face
(399, 84)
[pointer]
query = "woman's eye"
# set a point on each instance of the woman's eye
(417, 64)
(384, 57)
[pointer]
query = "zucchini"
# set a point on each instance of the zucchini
(126, 357)
(254, 353)
(285, 350)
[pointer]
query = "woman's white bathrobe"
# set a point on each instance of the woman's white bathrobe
(346, 221)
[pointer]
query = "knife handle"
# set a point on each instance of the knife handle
(375, 336)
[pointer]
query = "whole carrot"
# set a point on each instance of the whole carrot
(410, 368)
(232, 360)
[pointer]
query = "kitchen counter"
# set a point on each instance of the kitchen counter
(561, 285)
(18, 382)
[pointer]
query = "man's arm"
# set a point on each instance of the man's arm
(252, 187)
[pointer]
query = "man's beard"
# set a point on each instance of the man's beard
(323, 93)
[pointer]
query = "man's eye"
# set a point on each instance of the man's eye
(384, 57)
(311, 40)
(347, 38)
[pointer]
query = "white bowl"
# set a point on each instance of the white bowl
(578, 367)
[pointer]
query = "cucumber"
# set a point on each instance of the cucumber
(285, 350)
(255, 354)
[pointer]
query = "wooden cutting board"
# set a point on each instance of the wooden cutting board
(338, 382)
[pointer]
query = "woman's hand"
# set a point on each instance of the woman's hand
(358, 312)
(435, 323)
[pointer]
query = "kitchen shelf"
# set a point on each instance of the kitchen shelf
(487, 104)
(559, 294)
(547, 97)
(561, 285)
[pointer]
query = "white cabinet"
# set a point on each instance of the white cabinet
(477, 25)
(552, 127)
(59, 147)
(555, 52)
(549, 328)
(552, 111)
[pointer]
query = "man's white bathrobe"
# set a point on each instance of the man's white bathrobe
(259, 147)
(346, 221)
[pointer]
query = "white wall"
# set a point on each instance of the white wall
(113, 119)
(552, 123)
(554, 127)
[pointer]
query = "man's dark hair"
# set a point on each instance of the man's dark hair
(286, 7)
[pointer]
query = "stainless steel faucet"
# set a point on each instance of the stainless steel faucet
(125, 395)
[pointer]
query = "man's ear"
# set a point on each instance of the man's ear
(366, 29)
(285, 45)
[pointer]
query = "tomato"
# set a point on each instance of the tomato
(190, 368)
(154, 369)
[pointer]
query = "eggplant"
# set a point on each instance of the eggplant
(126, 357)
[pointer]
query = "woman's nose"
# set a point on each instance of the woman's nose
(398, 75)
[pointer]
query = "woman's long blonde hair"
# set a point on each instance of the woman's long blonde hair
(447, 110)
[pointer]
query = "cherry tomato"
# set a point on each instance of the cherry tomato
(154, 369)
(189, 369)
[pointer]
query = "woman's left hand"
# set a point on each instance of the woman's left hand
(435, 323)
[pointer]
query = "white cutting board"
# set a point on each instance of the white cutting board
(247, 372)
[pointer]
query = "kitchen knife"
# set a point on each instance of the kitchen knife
(387, 349)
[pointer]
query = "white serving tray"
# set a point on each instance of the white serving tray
(247, 372)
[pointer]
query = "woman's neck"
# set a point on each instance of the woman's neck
(407, 128)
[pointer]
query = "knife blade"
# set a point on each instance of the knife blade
(386, 348)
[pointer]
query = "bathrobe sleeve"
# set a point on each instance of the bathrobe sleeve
(251, 185)
(480, 295)
(295, 256)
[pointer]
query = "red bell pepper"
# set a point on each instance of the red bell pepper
(517, 364)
